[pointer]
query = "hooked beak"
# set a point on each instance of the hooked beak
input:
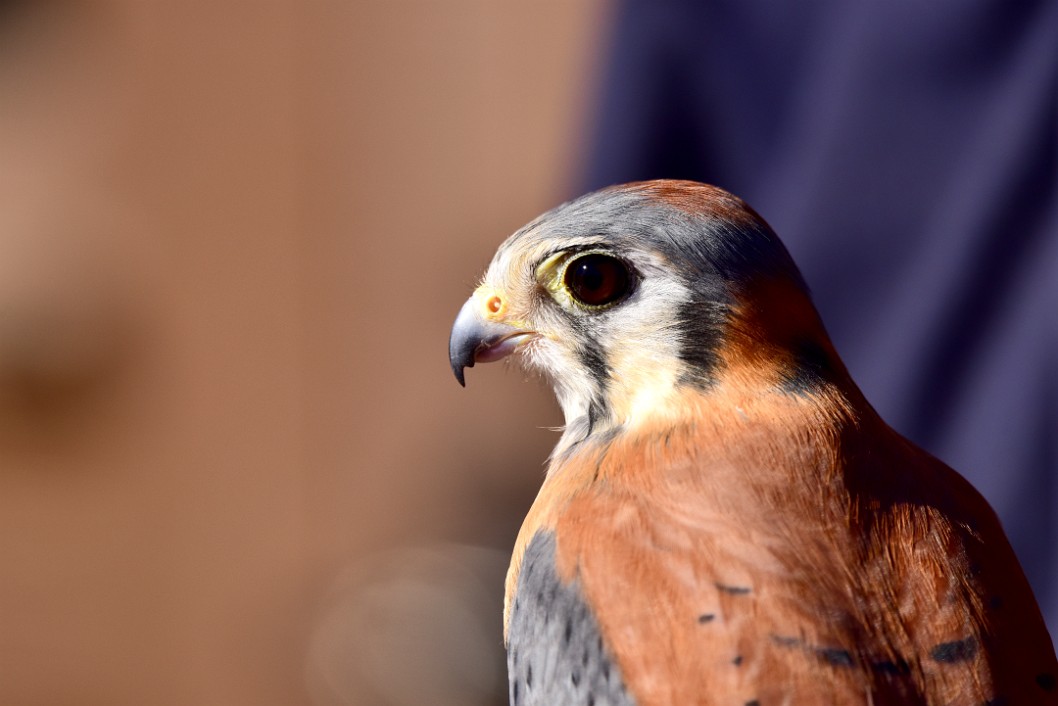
(475, 339)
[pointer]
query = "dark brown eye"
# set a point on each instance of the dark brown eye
(597, 279)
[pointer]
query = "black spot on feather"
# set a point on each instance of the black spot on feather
(957, 651)
(734, 590)
(811, 368)
(898, 667)
(836, 656)
(1046, 681)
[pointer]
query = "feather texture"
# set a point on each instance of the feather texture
(726, 518)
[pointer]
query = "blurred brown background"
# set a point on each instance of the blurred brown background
(234, 465)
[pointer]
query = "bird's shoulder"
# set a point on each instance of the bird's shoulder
(709, 573)
(556, 653)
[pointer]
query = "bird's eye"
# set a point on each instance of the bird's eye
(597, 279)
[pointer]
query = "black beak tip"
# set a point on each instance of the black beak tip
(461, 356)
(458, 370)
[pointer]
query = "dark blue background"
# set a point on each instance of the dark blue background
(907, 153)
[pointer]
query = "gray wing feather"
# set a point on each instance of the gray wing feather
(556, 654)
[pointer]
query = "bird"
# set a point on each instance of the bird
(725, 520)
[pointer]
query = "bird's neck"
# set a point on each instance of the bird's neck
(710, 422)
(757, 389)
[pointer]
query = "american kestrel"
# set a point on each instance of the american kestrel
(725, 519)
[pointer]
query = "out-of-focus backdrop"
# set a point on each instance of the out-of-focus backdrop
(234, 465)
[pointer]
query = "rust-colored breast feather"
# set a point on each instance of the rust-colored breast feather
(753, 556)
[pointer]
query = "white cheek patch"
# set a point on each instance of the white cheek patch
(643, 341)
(639, 340)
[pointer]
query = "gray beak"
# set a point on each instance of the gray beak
(477, 340)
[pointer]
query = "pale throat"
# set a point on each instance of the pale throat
(644, 391)
(641, 388)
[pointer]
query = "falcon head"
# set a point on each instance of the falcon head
(630, 296)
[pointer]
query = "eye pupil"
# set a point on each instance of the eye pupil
(597, 279)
